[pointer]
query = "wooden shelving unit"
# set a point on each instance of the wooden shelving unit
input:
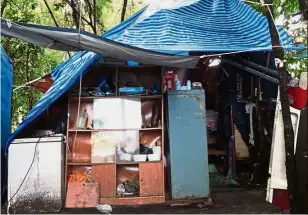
(150, 174)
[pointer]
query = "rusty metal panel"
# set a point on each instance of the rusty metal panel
(188, 144)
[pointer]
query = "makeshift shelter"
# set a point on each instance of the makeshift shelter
(209, 26)
(176, 27)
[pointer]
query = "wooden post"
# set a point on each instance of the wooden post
(286, 116)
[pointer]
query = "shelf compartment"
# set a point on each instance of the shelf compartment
(79, 148)
(128, 173)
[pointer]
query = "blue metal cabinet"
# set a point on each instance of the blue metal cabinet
(188, 157)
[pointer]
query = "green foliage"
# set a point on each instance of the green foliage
(30, 61)
(284, 9)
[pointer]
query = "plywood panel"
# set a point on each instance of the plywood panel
(151, 179)
(105, 175)
(82, 195)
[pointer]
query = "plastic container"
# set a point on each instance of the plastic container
(138, 158)
(177, 83)
(83, 118)
(156, 150)
(188, 85)
(169, 81)
(126, 157)
(154, 157)
(298, 95)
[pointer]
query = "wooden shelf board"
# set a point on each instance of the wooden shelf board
(87, 164)
(117, 163)
(217, 152)
(87, 98)
(142, 200)
(123, 129)
(134, 162)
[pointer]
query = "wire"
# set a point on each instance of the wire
(253, 2)
(35, 149)
(78, 110)
(79, 94)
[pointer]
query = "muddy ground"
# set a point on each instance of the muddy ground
(235, 202)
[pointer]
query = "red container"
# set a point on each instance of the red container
(169, 81)
(298, 97)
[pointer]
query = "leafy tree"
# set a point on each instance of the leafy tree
(284, 10)
(30, 61)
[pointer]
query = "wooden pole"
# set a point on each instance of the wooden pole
(286, 116)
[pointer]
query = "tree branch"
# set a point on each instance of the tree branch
(303, 6)
(54, 19)
(123, 10)
(51, 14)
(90, 15)
(95, 19)
(3, 5)
(74, 13)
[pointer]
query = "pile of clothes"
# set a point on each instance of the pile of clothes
(211, 120)
(128, 188)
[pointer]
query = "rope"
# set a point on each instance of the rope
(249, 109)
(80, 84)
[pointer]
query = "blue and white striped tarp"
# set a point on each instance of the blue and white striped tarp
(198, 25)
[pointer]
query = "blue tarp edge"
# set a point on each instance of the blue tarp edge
(6, 96)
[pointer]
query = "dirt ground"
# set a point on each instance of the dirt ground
(231, 202)
(234, 201)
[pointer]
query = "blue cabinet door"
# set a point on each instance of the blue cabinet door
(188, 144)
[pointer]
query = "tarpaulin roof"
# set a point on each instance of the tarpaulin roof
(173, 26)
(69, 39)
(6, 94)
(198, 25)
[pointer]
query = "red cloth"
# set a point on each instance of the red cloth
(281, 199)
